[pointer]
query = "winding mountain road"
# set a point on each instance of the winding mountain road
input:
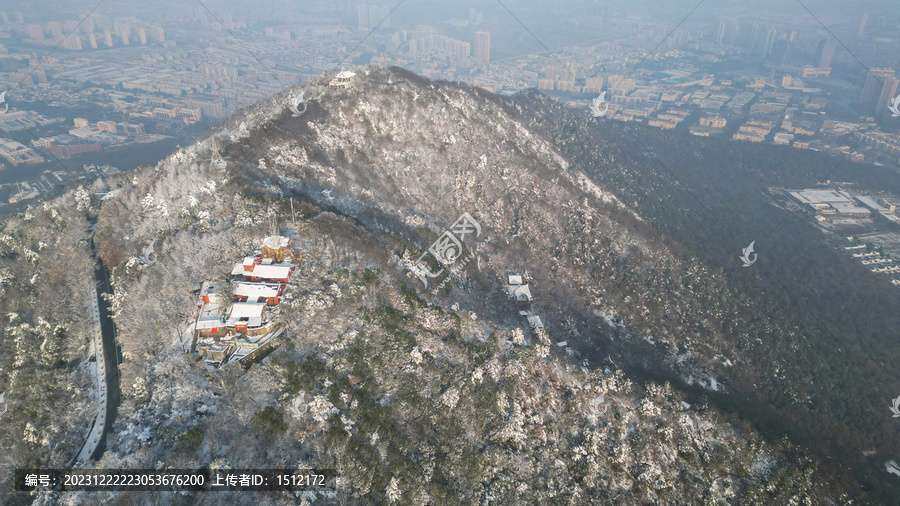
(102, 396)
(106, 371)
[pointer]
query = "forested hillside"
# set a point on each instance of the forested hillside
(664, 375)
(817, 331)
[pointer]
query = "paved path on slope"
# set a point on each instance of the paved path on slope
(102, 393)
(106, 369)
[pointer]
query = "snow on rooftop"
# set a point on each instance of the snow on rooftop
(264, 269)
(275, 271)
(209, 324)
(246, 309)
(256, 290)
(246, 313)
(519, 292)
(276, 242)
(210, 317)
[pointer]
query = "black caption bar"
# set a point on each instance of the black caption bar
(199, 480)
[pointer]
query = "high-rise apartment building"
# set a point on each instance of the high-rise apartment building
(824, 54)
(769, 41)
(732, 30)
(34, 32)
(874, 83)
(370, 16)
(157, 34)
(751, 36)
(888, 91)
(362, 16)
(55, 29)
(483, 47)
(72, 42)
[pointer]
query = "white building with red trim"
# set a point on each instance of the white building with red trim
(209, 312)
(259, 282)
(259, 269)
(267, 293)
(247, 318)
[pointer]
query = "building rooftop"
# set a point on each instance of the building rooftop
(519, 292)
(253, 290)
(273, 271)
(245, 313)
(210, 317)
(813, 196)
(870, 203)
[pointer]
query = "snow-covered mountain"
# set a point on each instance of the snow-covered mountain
(415, 395)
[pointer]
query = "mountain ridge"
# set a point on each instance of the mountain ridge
(717, 311)
(446, 388)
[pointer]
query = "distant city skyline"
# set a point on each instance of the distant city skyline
(176, 70)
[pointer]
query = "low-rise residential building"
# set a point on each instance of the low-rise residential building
(713, 121)
(669, 119)
(665, 124)
(753, 131)
(783, 138)
(816, 71)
